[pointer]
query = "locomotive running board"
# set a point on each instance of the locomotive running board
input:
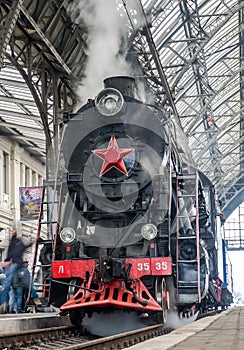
(114, 294)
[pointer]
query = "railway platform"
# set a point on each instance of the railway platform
(222, 331)
(14, 323)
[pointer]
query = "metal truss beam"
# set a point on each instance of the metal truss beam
(241, 34)
(8, 27)
(195, 33)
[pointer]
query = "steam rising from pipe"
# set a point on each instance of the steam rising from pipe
(107, 37)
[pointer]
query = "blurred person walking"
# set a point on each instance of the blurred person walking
(15, 253)
(4, 268)
(16, 291)
(29, 287)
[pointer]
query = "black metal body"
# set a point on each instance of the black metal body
(107, 211)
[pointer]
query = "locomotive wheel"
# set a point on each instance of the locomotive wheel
(161, 295)
(73, 288)
(76, 317)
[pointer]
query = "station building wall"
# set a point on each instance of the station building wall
(17, 169)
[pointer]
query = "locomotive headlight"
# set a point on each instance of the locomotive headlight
(109, 102)
(149, 231)
(67, 235)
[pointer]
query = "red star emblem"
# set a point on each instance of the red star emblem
(113, 156)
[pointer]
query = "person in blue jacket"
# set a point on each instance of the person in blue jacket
(20, 289)
(29, 286)
(15, 253)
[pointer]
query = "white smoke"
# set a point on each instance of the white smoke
(107, 33)
(174, 321)
(107, 324)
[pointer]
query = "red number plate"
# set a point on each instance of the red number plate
(72, 268)
(149, 266)
(61, 269)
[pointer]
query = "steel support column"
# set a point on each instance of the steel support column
(241, 36)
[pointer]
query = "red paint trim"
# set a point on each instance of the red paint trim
(115, 294)
(149, 266)
(159, 266)
(72, 268)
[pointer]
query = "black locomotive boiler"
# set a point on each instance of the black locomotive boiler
(137, 225)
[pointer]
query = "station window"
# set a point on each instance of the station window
(27, 176)
(40, 180)
(5, 173)
(22, 174)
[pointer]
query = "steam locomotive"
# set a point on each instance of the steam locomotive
(136, 220)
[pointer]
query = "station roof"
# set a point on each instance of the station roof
(191, 53)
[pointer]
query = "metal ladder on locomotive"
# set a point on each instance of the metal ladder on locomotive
(187, 239)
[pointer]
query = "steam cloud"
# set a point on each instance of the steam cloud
(174, 321)
(109, 324)
(107, 35)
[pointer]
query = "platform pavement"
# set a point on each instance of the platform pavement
(14, 323)
(224, 331)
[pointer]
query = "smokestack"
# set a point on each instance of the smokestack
(126, 85)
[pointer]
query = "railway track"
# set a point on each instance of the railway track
(69, 338)
(209, 313)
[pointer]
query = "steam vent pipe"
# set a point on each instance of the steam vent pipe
(126, 85)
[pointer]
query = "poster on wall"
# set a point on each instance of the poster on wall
(30, 202)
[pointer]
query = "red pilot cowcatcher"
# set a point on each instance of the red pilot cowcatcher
(118, 293)
(113, 156)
